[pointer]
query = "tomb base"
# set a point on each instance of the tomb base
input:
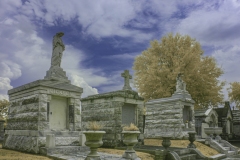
(63, 150)
(32, 141)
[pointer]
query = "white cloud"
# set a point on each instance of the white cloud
(211, 25)
(123, 56)
(229, 60)
(4, 87)
(5, 83)
(87, 90)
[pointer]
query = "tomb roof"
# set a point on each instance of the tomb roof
(47, 83)
(202, 112)
(120, 93)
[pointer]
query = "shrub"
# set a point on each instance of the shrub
(95, 126)
(130, 127)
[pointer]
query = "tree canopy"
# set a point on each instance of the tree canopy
(234, 93)
(157, 67)
(3, 108)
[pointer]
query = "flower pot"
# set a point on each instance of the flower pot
(94, 141)
(130, 139)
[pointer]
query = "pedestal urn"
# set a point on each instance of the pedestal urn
(94, 141)
(166, 141)
(130, 139)
(191, 138)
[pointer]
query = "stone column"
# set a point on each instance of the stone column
(1, 129)
(44, 101)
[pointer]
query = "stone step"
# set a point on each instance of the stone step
(182, 151)
(227, 148)
(63, 150)
(222, 144)
(230, 153)
(188, 156)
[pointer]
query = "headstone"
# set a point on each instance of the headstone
(50, 106)
(172, 116)
(114, 109)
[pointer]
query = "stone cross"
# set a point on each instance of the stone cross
(126, 76)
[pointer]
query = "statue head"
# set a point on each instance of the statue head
(60, 34)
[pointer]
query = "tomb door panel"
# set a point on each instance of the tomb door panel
(57, 113)
(128, 114)
(186, 114)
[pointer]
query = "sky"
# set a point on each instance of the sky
(103, 37)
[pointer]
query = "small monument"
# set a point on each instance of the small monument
(56, 72)
(114, 109)
(172, 116)
(49, 107)
(126, 77)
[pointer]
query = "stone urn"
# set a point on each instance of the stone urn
(191, 138)
(213, 130)
(218, 131)
(94, 141)
(130, 138)
(166, 141)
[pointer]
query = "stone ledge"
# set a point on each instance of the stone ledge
(43, 133)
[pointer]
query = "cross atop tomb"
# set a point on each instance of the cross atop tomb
(126, 76)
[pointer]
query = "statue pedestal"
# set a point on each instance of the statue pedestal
(56, 73)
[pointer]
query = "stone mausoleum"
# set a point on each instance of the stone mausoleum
(113, 110)
(47, 106)
(172, 116)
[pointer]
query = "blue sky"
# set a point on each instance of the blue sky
(103, 37)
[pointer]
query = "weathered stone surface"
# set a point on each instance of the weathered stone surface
(42, 106)
(67, 141)
(21, 143)
(33, 125)
(42, 116)
(33, 107)
(43, 125)
(25, 117)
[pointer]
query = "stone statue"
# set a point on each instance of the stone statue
(58, 48)
(181, 85)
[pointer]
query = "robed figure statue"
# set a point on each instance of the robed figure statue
(58, 48)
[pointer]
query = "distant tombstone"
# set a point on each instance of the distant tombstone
(50, 106)
(113, 110)
(172, 116)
